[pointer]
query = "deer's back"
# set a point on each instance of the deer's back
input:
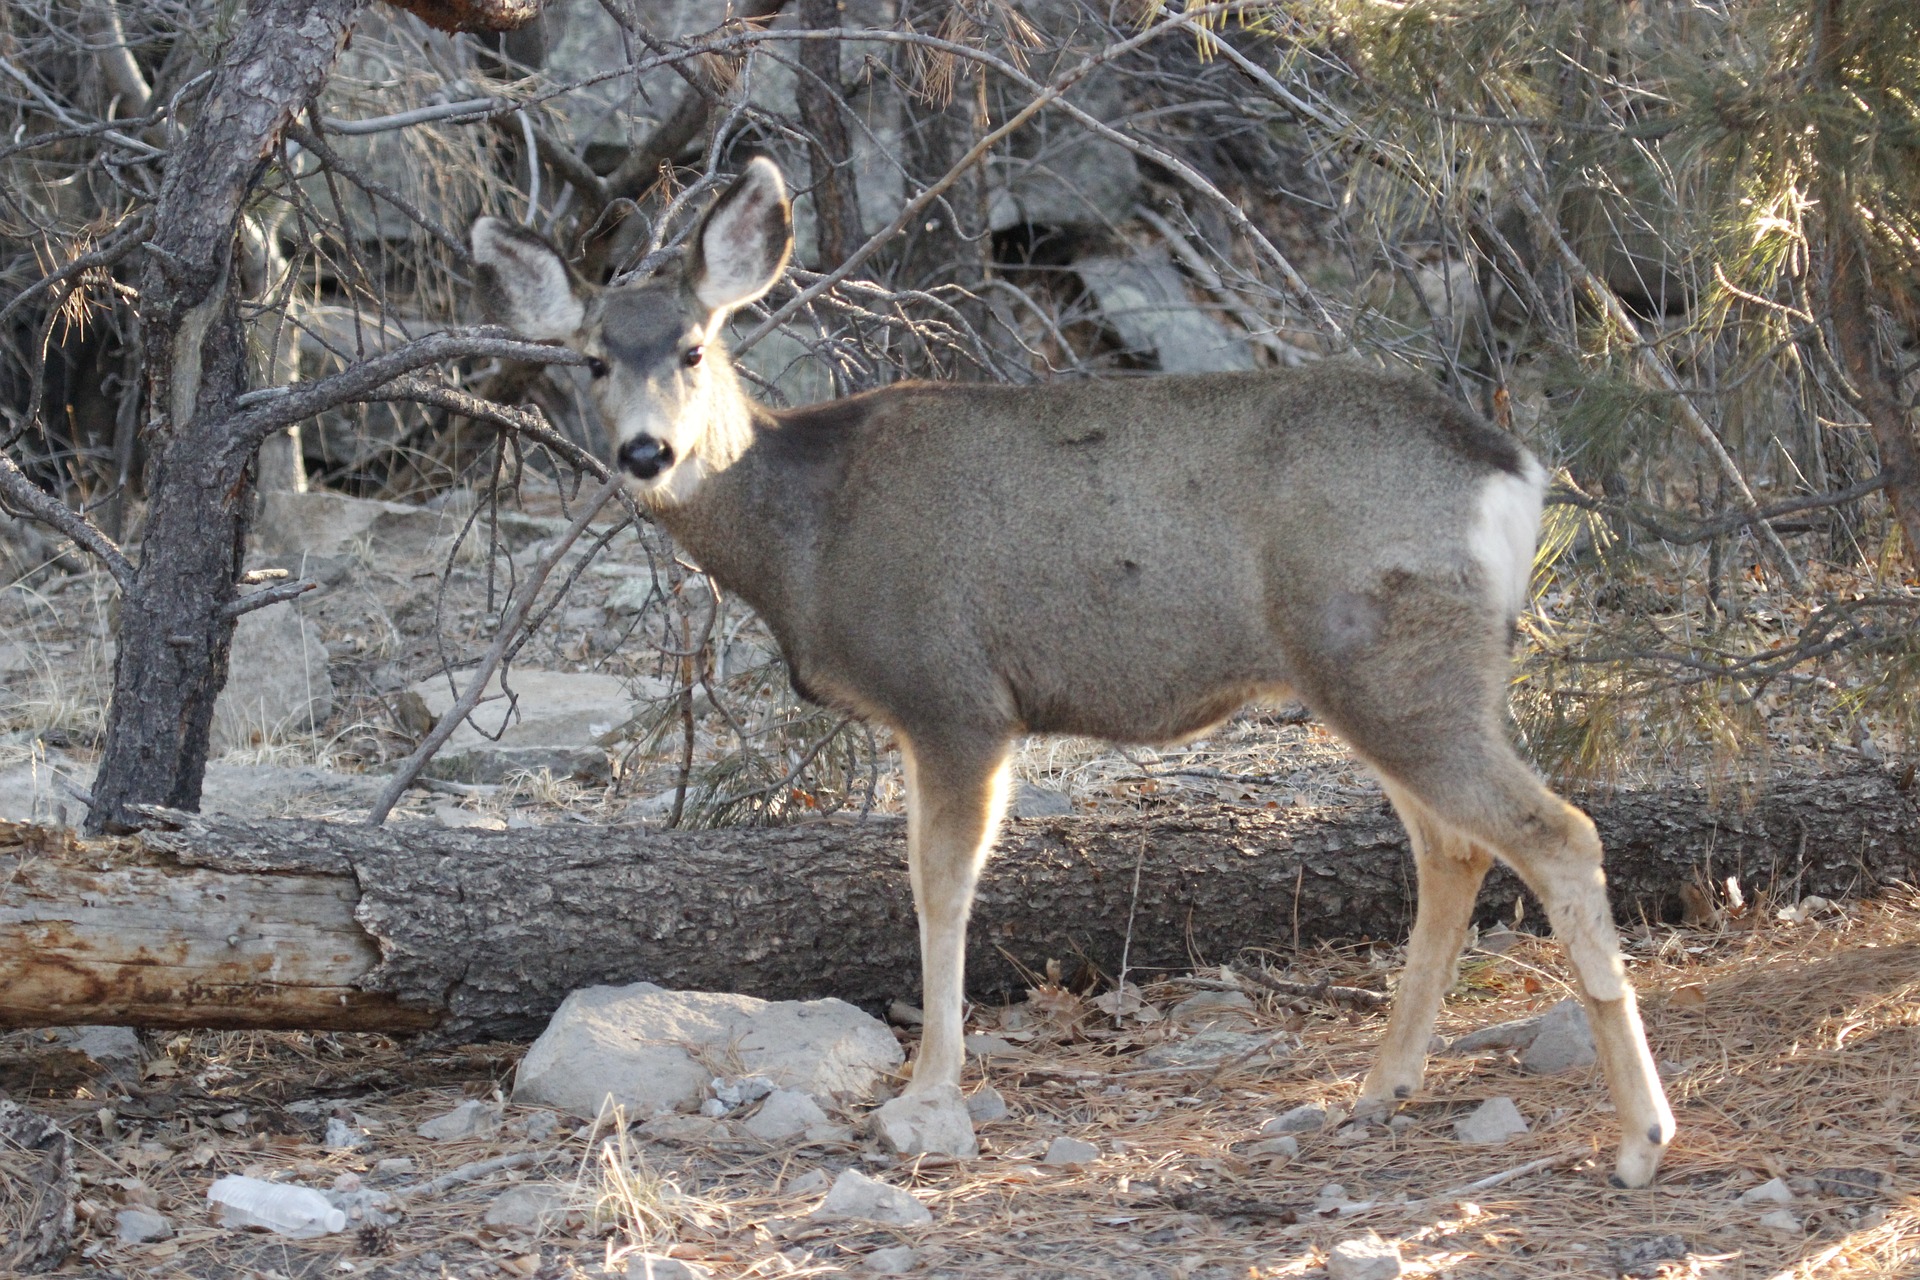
(1126, 559)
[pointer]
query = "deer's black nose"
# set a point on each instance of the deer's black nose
(644, 457)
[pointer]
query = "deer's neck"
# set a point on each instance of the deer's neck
(752, 515)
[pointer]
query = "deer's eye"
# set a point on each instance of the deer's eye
(692, 356)
(597, 367)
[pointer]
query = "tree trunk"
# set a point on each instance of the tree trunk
(836, 198)
(175, 632)
(231, 923)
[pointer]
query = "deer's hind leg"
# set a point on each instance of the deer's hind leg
(1450, 870)
(1420, 692)
(956, 796)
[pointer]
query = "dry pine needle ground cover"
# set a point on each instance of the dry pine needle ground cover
(1790, 1049)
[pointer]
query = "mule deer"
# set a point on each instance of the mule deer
(1124, 560)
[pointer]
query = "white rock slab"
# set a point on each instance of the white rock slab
(933, 1122)
(855, 1195)
(635, 1046)
(1491, 1123)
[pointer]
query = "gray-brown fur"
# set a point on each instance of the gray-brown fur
(1130, 560)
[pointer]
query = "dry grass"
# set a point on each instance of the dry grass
(1789, 1049)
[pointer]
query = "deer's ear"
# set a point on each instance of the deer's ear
(743, 244)
(521, 282)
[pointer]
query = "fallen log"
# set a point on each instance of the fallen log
(224, 922)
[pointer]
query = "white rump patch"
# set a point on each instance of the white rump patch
(1506, 524)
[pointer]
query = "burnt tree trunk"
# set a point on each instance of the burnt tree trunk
(230, 923)
(175, 629)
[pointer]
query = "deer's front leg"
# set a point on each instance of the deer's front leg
(956, 794)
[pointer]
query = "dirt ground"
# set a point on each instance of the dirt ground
(1789, 1047)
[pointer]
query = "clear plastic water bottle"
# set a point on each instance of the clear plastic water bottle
(300, 1213)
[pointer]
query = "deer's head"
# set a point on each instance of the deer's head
(660, 374)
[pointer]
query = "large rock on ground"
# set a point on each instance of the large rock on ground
(553, 724)
(277, 681)
(649, 1049)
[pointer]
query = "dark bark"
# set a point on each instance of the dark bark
(174, 634)
(836, 199)
(482, 934)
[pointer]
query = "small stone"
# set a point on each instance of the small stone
(934, 1121)
(395, 1166)
(1302, 1119)
(985, 1046)
(810, 1183)
(1367, 1257)
(1630, 1254)
(1064, 1152)
(1782, 1220)
(1849, 1184)
(1282, 1148)
(342, 1135)
(1214, 1045)
(985, 1105)
(786, 1113)
(855, 1195)
(896, 1261)
(1215, 1008)
(1030, 801)
(738, 1091)
(473, 1118)
(1498, 940)
(457, 818)
(1402, 1123)
(524, 1208)
(1491, 1123)
(656, 1266)
(541, 1126)
(1772, 1191)
(714, 1109)
(139, 1225)
(682, 1129)
(1562, 1042)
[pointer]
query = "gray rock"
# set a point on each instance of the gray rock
(985, 1046)
(810, 1183)
(473, 1118)
(1491, 1123)
(33, 790)
(1773, 1191)
(786, 1114)
(931, 1122)
(738, 1091)
(139, 1225)
(1367, 1257)
(1631, 1254)
(637, 1047)
(655, 1266)
(1212, 1046)
(1144, 299)
(525, 1208)
(273, 791)
(1302, 1119)
(116, 1048)
(1498, 940)
(1286, 1147)
(896, 1261)
(855, 1195)
(1562, 1041)
(1030, 801)
(1210, 1008)
(985, 1105)
(277, 681)
(343, 1135)
(554, 725)
(1850, 1184)
(1064, 1152)
(1782, 1220)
